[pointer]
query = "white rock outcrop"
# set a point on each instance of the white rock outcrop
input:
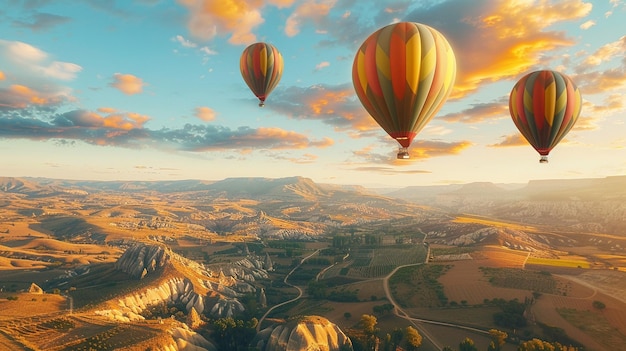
(311, 333)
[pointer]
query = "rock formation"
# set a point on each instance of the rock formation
(35, 289)
(140, 260)
(311, 333)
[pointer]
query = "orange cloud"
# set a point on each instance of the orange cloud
(334, 105)
(117, 121)
(308, 11)
(20, 96)
(288, 139)
(205, 113)
(2, 76)
(237, 18)
(510, 38)
(127, 83)
(480, 112)
(511, 140)
(423, 149)
(106, 109)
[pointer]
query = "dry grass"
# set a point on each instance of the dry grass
(493, 223)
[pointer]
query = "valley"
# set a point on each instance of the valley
(125, 265)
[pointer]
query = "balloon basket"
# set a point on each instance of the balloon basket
(543, 159)
(261, 104)
(403, 153)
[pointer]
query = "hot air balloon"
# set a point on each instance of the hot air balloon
(261, 67)
(403, 73)
(545, 105)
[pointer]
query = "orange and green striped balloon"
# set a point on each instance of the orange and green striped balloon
(545, 105)
(403, 73)
(261, 67)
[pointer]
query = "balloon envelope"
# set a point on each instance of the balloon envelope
(261, 67)
(544, 106)
(403, 73)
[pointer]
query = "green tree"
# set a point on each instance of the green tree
(598, 305)
(413, 338)
(347, 315)
(317, 290)
(396, 337)
(467, 345)
(232, 334)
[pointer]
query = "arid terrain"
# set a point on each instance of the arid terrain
(94, 264)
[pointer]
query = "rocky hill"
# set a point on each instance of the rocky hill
(578, 205)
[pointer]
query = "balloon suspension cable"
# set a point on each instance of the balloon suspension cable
(403, 153)
(543, 159)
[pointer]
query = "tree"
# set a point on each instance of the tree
(498, 338)
(540, 345)
(369, 324)
(598, 305)
(396, 337)
(317, 290)
(467, 345)
(347, 315)
(231, 334)
(413, 338)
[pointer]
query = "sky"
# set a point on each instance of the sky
(151, 90)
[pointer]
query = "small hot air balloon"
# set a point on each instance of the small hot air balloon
(545, 105)
(261, 67)
(403, 74)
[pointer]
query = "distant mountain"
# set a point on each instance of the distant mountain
(290, 187)
(589, 189)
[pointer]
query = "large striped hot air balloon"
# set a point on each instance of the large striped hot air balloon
(544, 106)
(403, 74)
(261, 66)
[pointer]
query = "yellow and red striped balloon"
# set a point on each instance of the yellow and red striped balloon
(261, 66)
(545, 105)
(403, 73)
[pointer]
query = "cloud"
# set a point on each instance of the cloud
(321, 65)
(419, 150)
(511, 140)
(184, 42)
(205, 113)
(236, 18)
(605, 53)
(2, 76)
(29, 63)
(480, 112)
(423, 149)
(308, 11)
(498, 40)
(20, 97)
(302, 159)
(587, 24)
(127, 130)
(389, 170)
(40, 21)
(333, 105)
(127, 83)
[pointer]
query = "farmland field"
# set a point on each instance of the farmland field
(365, 263)
(580, 262)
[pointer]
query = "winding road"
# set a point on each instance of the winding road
(300, 293)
